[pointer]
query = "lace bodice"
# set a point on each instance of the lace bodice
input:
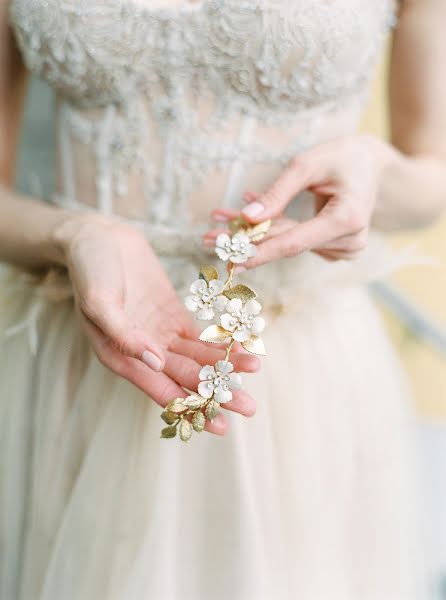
(167, 108)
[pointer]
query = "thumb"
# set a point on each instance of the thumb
(297, 176)
(128, 339)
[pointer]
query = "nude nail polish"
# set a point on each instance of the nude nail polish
(151, 360)
(253, 210)
(220, 218)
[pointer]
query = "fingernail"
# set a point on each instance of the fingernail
(253, 210)
(151, 360)
(238, 270)
(209, 242)
(220, 218)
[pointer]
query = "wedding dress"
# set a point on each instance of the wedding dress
(165, 110)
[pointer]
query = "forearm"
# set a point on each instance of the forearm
(412, 189)
(413, 184)
(30, 231)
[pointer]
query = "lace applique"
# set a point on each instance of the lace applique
(151, 74)
(271, 54)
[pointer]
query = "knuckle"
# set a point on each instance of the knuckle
(292, 248)
(357, 221)
(162, 394)
(361, 241)
(349, 218)
(123, 345)
(355, 243)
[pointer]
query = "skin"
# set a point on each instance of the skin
(152, 341)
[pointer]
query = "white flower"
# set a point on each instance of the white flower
(237, 249)
(242, 320)
(206, 298)
(219, 381)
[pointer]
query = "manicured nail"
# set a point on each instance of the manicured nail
(151, 360)
(253, 210)
(238, 270)
(209, 242)
(220, 218)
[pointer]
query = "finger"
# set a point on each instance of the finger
(335, 220)
(241, 403)
(223, 215)
(298, 175)
(129, 340)
(158, 386)
(203, 354)
(302, 237)
(349, 244)
(182, 369)
(218, 426)
(278, 226)
(210, 237)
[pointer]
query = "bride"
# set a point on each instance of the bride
(167, 112)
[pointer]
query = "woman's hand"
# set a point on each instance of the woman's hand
(132, 316)
(343, 175)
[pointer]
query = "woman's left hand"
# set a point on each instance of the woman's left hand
(343, 175)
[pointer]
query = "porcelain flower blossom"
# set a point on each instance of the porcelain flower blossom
(218, 381)
(242, 320)
(237, 249)
(206, 298)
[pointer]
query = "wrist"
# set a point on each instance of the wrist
(71, 227)
(383, 153)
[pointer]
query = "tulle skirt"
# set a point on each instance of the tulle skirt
(311, 499)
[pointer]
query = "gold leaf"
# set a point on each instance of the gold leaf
(212, 410)
(255, 345)
(198, 421)
(185, 430)
(243, 292)
(237, 224)
(176, 406)
(258, 232)
(169, 417)
(194, 401)
(215, 334)
(169, 432)
(208, 273)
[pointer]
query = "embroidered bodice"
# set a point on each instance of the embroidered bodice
(167, 108)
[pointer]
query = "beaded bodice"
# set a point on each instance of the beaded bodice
(167, 108)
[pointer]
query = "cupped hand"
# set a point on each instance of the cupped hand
(343, 176)
(133, 318)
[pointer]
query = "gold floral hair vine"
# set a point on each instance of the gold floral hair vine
(236, 310)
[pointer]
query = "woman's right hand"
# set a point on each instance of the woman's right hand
(132, 316)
